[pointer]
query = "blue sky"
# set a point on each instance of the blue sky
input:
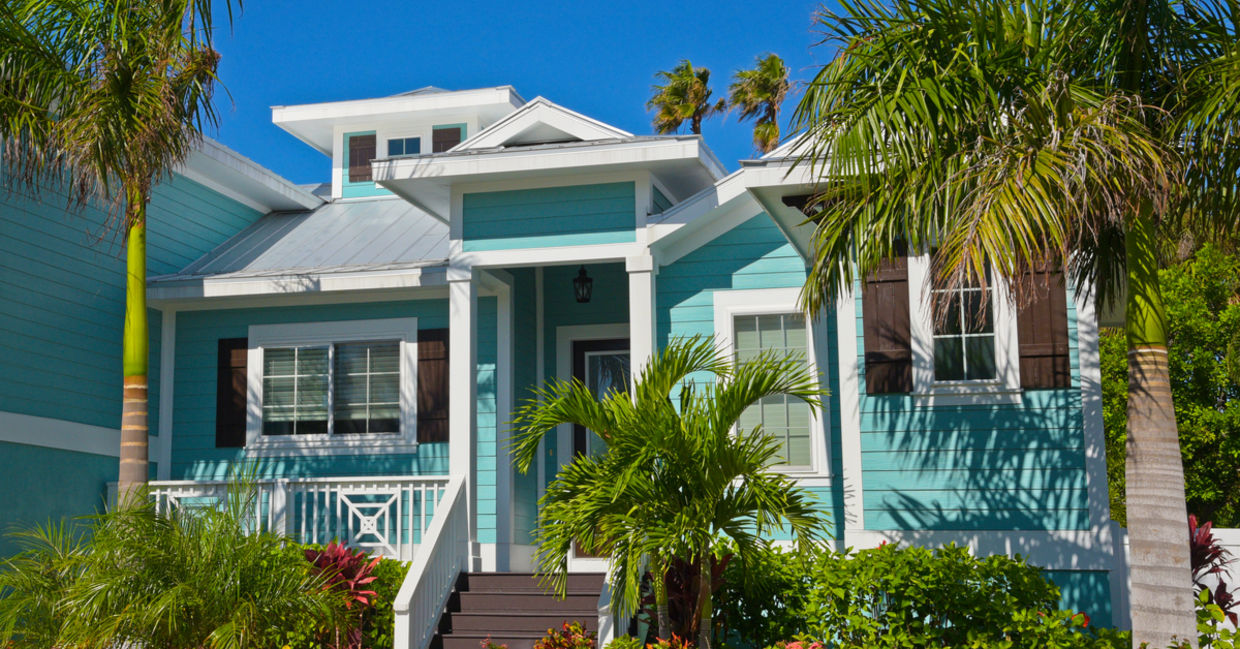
(596, 58)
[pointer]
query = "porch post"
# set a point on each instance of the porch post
(642, 272)
(463, 386)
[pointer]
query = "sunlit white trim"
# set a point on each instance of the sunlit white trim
(327, 333)
(63, 435)
(850, 410)
(541, 111)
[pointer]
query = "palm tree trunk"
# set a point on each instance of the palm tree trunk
(658, 575)
(133, 452)
(705, 626)
(1162, 595)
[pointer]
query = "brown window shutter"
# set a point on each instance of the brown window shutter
(230, 393)
(361, 153)
(1042, 332)
(433, 385)
(888, 336)
(443, 139)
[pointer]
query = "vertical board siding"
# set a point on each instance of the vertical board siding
(62, 301)
(194, 455)
(549, 216)
(1087, 591)
(525, 381)
(53, 485)
(986, 466)
(752, 255)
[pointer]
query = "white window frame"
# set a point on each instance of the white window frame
(776, 301)
(1004, 388)
(388, 138)
(329, 333)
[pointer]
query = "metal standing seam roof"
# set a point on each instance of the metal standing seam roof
(338, 236)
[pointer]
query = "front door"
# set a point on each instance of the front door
(603, 366)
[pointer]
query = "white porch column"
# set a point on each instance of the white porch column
(642, 272)
(463, 385)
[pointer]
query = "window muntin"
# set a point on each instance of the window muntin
(964, 338)
(338, 389)
(783, 417)
(404, 146)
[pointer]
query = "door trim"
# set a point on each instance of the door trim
(587, 347)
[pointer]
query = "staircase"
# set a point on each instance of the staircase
(513, 609)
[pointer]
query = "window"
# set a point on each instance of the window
(446, 136)
(360, 149)
(350, 384)
(754, 321)
(785, 418)
(402, 146)
(964, 338)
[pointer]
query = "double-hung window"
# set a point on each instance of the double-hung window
(754, 322)
(964, 334)
(333, 383)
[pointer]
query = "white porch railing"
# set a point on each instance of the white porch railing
(388, 516)
(439, 560)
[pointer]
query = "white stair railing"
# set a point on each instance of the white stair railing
(439, 560)
(386, 516)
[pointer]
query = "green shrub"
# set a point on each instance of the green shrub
(763, 604)
(570, 635)
(624, 642)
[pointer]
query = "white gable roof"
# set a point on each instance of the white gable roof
(540, 122)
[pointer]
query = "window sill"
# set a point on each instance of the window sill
(294, 447)
(964, 393)
(806, 478)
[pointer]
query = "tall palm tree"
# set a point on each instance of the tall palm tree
(683, 95)
(104, 97)
(759, 93)
(674, 481)
(1010, 135)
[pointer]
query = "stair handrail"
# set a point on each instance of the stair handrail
(439, 560)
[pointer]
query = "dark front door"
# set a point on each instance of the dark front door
(603, 366)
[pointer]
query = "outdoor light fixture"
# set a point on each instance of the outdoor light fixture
(583, 285)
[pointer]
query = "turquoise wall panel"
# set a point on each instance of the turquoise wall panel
(53, 486)
(1088, 591)
(550, 216)
(986, 466)
(525, 380)
(63, 294)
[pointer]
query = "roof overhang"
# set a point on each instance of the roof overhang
(682, 163)
(179, 292)
(227, 172)
(315, 124)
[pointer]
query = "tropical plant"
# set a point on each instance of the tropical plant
(758, 93)
(101, 98)
(684, 94)
(677, 478)
(1209, 563)
(1202, 293)
(349, 572)
(195, 577)
(1010, 136)
(570, 635)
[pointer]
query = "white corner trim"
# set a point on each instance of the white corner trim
(564, 338)
(1005, 388)
(850, 410)
(32, 430)
(728, 305)
(326, 333)
(167, 368)
(1088, 353)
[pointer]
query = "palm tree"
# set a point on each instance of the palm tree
(673, 482)
(104, 97)
(684, 95)
(1011, 135)
(759, 93)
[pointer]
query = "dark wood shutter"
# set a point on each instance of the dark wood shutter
(887, 326)
(230, 393)
(361, 153)
(433, 385)
(1042, 332)
(443, 139)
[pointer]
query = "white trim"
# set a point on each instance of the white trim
(540, 347)
(172, 288)
(674, 246)
(504, 492)
(1091, 410)
(303, 299)
(1091, 549)
(31, 430)
(167, 368)
(850, 410)
(328, 333)
(642, 287)
(463, 389)
(1004, 388)
(540, 110)
(239, 178)
(550, 256)
(728, 305)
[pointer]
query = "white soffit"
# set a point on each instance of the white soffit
(540, 122)
(227, 172)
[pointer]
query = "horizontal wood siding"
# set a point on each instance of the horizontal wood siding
(194, 455)
(1088, 591)
(975, 467)
(47, 484)
(63, 295)
(752, 255)
(549, 216)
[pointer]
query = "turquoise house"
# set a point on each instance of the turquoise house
(362, 344)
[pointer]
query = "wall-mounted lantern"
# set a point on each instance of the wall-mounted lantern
(583, 285)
